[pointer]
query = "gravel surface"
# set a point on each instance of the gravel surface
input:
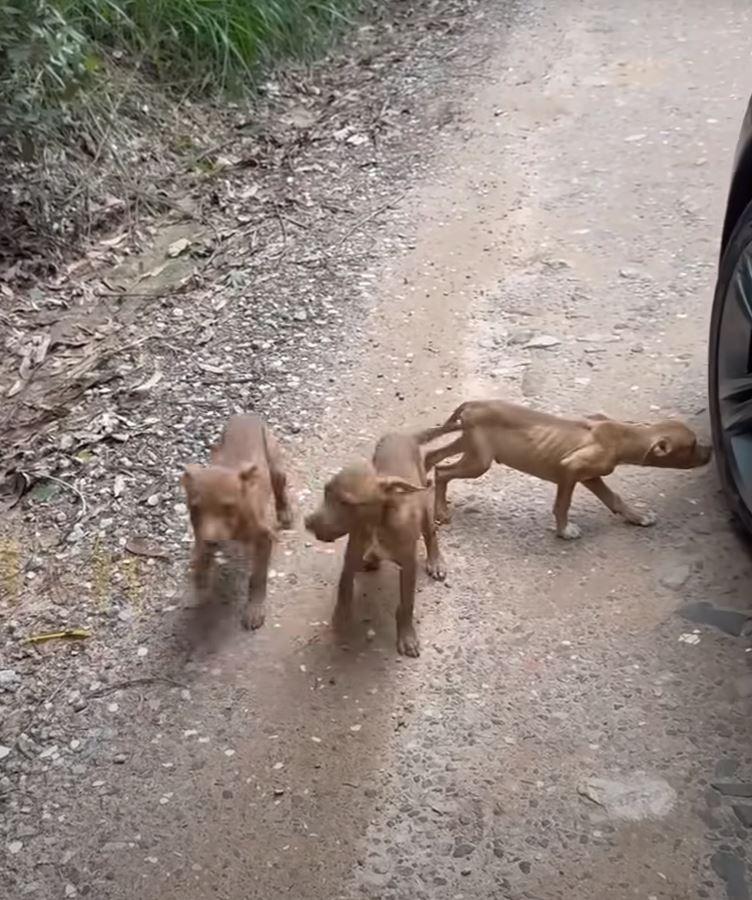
(535, 215)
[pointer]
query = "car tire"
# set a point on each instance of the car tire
(730, 371)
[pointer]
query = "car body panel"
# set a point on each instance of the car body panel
(740, 191)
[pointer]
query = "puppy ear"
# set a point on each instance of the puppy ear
(189, 473)
(660, 448)
(391, 484)
(248, 472)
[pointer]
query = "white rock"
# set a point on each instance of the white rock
(633, 798)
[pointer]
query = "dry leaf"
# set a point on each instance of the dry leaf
(149, 383)
(142, 547)
(177, 247)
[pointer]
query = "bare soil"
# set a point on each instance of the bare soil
(522, 201)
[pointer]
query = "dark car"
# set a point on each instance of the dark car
(730, 362)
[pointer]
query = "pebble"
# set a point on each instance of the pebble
(676, 577)
(743, 812)
(15, 847)
(632, 799)
(542, 342)
(733, 872)
(730, 621)
(9, 679)
(733, 788)
(4, 751)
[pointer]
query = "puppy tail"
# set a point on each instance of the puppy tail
(453, 423)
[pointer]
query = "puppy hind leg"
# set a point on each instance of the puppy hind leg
(475, 461)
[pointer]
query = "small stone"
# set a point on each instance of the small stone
(71, 890)
(15, 847)
(676, 577)
(9, 679)
(463, 849)
(119, 759)
(733, 788)
(633, 799)
(542, 342)
(521, 336)
(743, 812)
(142, 651)
(733, 871)
(153, 500)
(631, 273)
(4, 751)
(355, 728)
(78, 704)
(525, 867)
(730, 621)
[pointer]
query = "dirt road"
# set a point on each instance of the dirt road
(560, 733)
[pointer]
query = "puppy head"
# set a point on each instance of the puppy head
(674, 445)
(218, 501)
(355, 498)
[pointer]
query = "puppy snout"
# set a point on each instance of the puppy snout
(321, 528)
(703, 454)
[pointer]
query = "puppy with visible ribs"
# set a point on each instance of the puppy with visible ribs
(383, 506)
(231, 500)
(565, 451)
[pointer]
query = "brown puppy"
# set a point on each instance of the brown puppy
(384, 506)
(230, 500)
(564, 451)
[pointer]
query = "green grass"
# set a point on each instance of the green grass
(209, 44)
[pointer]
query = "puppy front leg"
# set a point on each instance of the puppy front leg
(618, 505)
(260, 552)
(565, 529)
(407, 639)
(352, 562)
(203, 556)
(279, 486)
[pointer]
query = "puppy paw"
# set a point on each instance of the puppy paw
(436, 569)
(285, 518)
(254, 616)
(442, 517)
(407, 643)
(371, 562)
(645, 519)
(570, 532)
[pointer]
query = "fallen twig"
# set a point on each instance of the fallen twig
(372, 215)
(136, 682)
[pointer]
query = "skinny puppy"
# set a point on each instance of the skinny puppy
(564, 451)
(230, 500)
(383, 506)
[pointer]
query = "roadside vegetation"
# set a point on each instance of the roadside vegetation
(84, 83)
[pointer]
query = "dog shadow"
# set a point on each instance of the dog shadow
(211, 618)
